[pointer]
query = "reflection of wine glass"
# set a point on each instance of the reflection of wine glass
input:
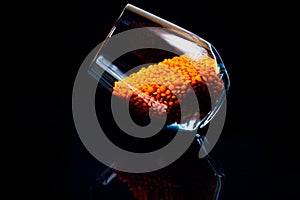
(163, 67)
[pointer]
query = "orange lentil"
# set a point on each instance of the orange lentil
(167, 80)
(163, 88)
(150, 89)
(198, 78)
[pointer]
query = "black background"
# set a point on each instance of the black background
(256, 148)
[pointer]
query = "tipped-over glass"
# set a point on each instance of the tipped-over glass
(164, 77)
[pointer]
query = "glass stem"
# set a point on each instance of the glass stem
(216, 168)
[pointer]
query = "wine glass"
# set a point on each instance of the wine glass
(166, 79)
